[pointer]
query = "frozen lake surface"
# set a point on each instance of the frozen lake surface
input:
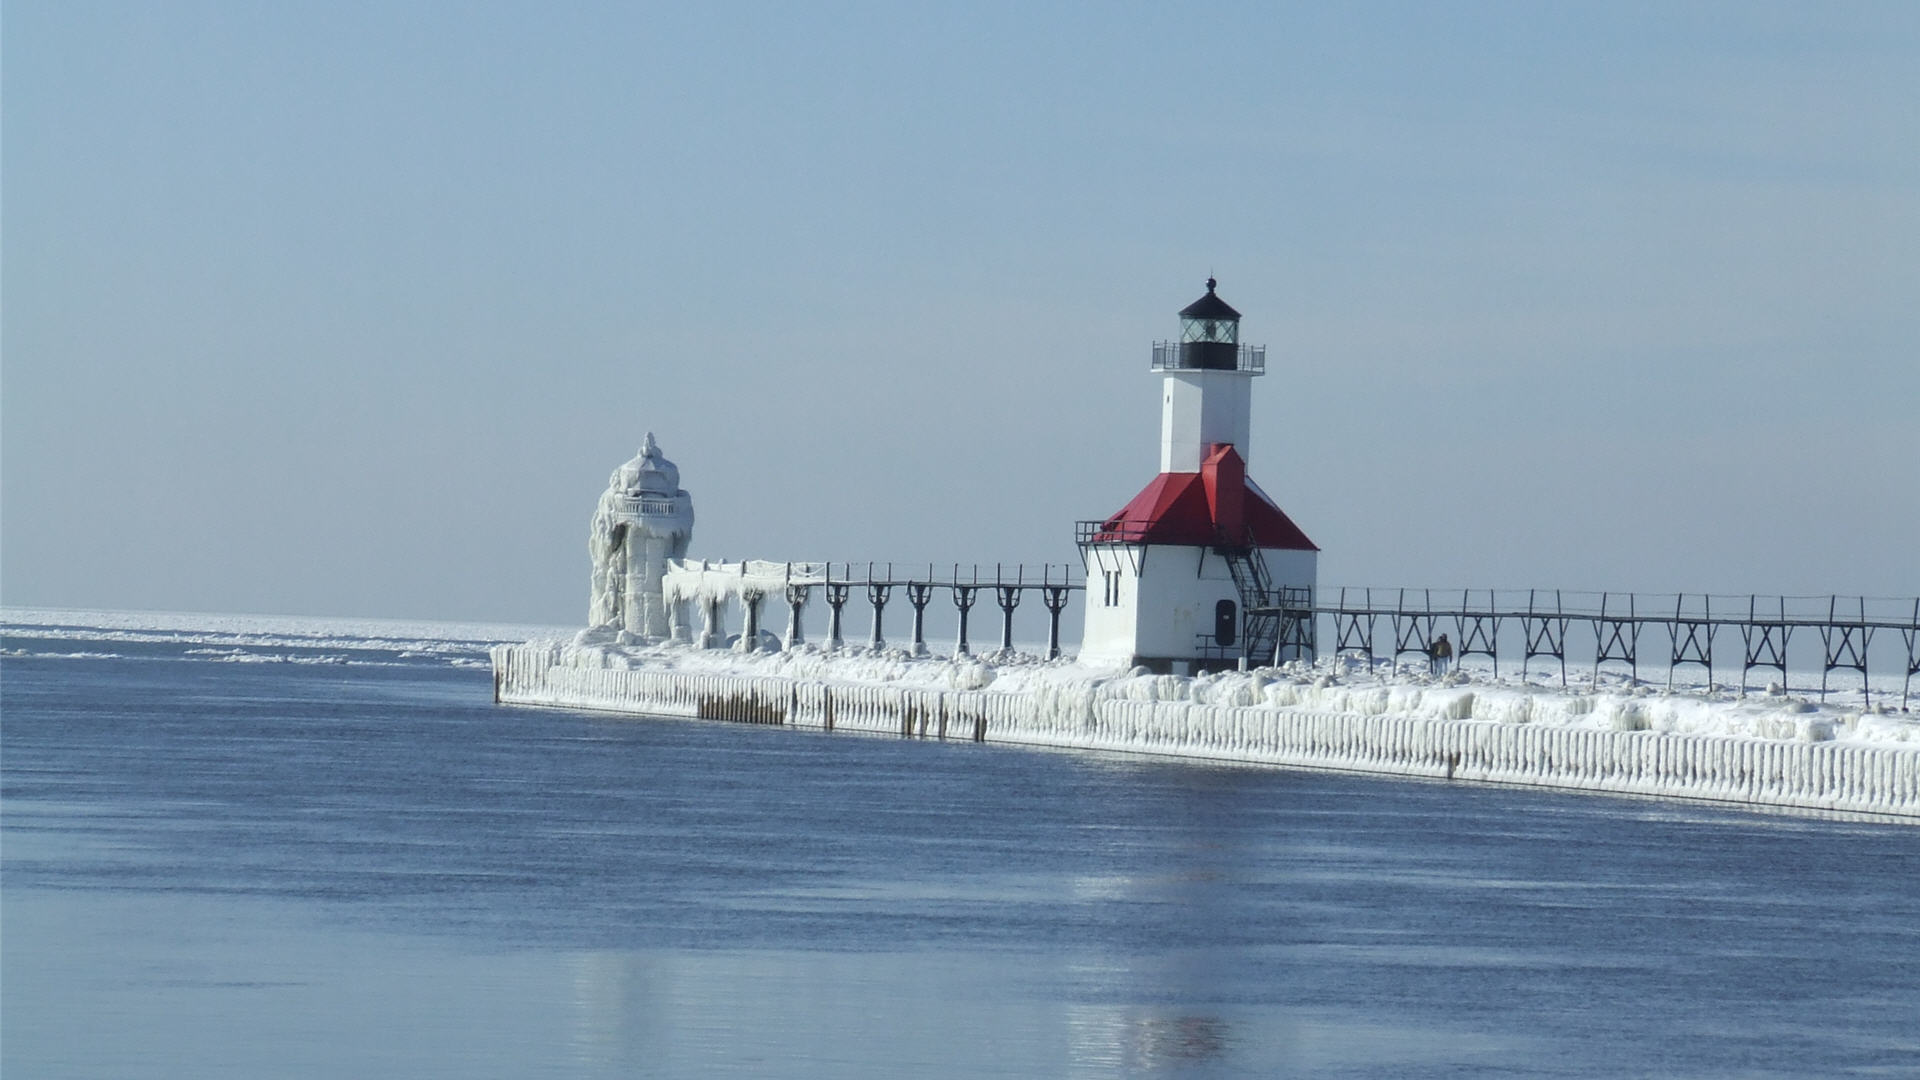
(250, 853)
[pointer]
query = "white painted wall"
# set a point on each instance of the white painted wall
(1176, 591)
(1107, 635)
(1167, 597)
(1199, 408)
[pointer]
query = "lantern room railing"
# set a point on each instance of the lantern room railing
(1250, 358)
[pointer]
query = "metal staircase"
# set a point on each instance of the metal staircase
(1259, 622)
(1271, 619)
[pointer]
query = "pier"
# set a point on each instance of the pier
(1640, 634)
(749, 583)
(1549, 625)
(1138, 716)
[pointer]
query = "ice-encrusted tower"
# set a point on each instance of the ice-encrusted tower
(643, 519)
(1198, 569)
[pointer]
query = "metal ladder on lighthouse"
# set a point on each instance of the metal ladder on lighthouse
(1270, 617)
(1259, 614)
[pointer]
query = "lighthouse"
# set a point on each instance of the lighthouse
(643, 519)
(1200, 570)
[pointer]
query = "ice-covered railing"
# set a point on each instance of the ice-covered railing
(750, 583)
(1535, 624)
(642, 504)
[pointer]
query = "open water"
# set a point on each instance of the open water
(361, 867)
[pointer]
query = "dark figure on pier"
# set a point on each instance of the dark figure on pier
(1441, 654)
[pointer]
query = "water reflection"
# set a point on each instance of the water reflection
(389, 876)
(618, 1010)
(1137, 1041)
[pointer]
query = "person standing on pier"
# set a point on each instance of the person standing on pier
(1441, 654)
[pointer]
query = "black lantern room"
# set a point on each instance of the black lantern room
(1209, 333)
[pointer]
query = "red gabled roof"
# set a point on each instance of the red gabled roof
(1217, 505)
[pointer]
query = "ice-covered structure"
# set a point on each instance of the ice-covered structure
(1198, 572)
(711, 586)
(1626, 738)
(643, 520)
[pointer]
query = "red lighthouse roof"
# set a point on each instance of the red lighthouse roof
(1217, 505)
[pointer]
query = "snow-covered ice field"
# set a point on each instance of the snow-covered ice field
(257, 639)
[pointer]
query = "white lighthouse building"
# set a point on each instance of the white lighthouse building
(1200, 569)
(643, 519)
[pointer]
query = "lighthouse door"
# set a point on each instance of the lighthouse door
(1225, 623)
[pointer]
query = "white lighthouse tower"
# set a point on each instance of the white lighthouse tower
(643, 519)
(1200, 569)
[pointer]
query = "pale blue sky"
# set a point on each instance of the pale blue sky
(346, 308)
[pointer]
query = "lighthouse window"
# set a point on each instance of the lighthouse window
(1226, 330)
(1111, 597)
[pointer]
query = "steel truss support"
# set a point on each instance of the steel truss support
(1912, 637)
(1009, 598)
(796, 599)
(750, 620)
(836, 600)
(1546, 632)
(1295, 632)
(1479, 633)
(877, 593)
(1692, 637)
(1764, 640)
(1353, 630)
(919, 594)
(1616, 637)
(1055, 597)
(713, 631)
(1412, 633)
(1412, 630)
(963, 598)
(1846, 647)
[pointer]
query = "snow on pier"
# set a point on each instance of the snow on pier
(1768, 749)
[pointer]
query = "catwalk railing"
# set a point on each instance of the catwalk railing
(1550, 626)
(1611, 628)
(1008, 584)
(1167, 356)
